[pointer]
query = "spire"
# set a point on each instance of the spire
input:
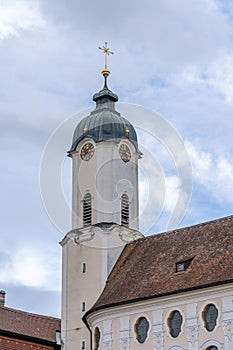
(105, 93)
(106, 52)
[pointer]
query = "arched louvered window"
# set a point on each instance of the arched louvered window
(125, 210)
(87, 210)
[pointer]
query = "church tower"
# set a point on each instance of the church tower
(105, 209)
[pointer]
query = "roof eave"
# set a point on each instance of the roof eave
(156, 296)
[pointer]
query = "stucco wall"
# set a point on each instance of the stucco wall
(117, 325)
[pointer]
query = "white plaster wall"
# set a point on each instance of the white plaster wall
(193, 334)
(99, 249)
(106, 177)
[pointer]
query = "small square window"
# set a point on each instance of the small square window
(180, 267)
(183, 265)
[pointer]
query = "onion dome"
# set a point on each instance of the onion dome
(104, 123)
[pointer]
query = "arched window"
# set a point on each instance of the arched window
(87, 210)
(96, 338)
(125, 210)
(213, 347)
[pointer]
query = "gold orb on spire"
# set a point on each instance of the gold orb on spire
(106, 52)
(105, 72)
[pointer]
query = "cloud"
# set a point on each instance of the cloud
(171, 56)
(29, 267)
(218, 76)
(16, 15)
(215, 173)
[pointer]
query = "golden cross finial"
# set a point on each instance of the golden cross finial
(107, 52)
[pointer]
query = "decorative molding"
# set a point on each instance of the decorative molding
(125, 338)
(158, 340)
(107, 335)
(125, 334)
(177, 347)
(192, 326)
(125, 343)
(85, 237)
(78, 236)
(193, 334)
(130, 235)
(212, 342)
(228, 330)
(107, 345)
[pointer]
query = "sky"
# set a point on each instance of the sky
(173, 59)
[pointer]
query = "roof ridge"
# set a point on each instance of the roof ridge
(226, 218)
(29, 313)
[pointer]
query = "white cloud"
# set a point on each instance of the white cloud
(16, 15)
(30, 268)
(172, 184)
(48, 76)
(218, 75)
(215, 173)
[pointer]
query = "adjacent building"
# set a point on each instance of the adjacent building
(20, 330)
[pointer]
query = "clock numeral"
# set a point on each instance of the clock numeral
(124, 152)
(87, 151)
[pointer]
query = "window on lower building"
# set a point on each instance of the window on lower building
(175, 321)
(96, 338)
(141, 329)
(58, 337)
(83, 347)
(125, 210)
(209, 316)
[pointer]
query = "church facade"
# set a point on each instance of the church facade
(121, 290)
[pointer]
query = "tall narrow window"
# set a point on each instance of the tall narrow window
(87, 210)
(83, 306)
(84, 267)
(96, 338)
(125, 210)
(83, 345)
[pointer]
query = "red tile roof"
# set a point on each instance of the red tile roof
(147, 267)
(28, 324)
(7, 343)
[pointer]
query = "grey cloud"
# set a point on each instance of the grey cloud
(50, 73)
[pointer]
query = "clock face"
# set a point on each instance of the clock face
(87, 151)
(124, 152)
